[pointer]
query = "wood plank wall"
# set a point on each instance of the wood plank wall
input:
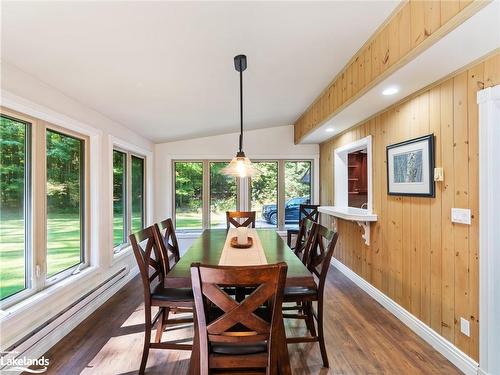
(416, 25)
(418, 257)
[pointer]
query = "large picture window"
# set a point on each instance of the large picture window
(203, 194)
(43, 205)
(223, 195)
(14, 205)
(188, 195)
(264, 194)
(119, 198)
(297, 189)
(65, 201)
(137, 193)
(128, 196)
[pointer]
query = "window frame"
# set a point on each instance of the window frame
(243, 199)
(36, 198)
(125, 201)
(128, 195)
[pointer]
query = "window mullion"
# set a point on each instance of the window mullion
(206, 195)
(129, 194)
(39, 217)
(281, 194)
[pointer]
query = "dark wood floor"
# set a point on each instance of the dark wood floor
(362, 338)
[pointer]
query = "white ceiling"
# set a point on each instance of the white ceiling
(165, 69)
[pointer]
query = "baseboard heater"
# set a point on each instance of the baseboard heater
(30, 345)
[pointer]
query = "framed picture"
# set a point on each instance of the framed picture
(410, 167)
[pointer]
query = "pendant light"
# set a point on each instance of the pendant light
(240, 166)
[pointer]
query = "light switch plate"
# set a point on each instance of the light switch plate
(461, 216)
(465, 327)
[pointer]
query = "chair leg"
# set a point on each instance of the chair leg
(147, 339)
(309, 318)
(162, 322)
(321, 335)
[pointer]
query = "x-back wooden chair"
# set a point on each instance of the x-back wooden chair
(235, 218)
(241, 336)
(318, 254)
(306, 211)
(152, 267)
(168, 242)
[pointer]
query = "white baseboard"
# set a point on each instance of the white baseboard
(466, 364)
(42, 341)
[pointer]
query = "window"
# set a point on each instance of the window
(43, 191)
(14, 205)
(137, 193)
(203, 195)
(65, 194)
(264, 194)
(188, 183)
(128, 196)
(119, 198)
(297, 189)
(223, 195)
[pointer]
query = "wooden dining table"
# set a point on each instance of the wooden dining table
(207, 249)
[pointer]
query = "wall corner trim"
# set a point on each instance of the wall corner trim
(466, 364)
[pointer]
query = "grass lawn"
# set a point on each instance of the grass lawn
(63, 250)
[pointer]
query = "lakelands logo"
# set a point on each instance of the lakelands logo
(23, 364)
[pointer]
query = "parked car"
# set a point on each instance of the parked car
(270, 211)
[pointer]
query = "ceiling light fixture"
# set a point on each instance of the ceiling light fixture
(329, 130)
(390, 91)
(240, 166)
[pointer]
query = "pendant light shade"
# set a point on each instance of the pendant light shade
(240, 166)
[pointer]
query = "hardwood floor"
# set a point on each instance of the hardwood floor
(361, 336)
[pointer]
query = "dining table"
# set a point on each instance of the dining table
(208, 249)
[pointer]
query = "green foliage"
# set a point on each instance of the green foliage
(64, 169)
(188, 186)
(297, 177)
(265, 186)
(12, 163)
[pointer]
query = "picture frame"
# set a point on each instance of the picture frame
(410, 167)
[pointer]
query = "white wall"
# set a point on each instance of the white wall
(24, 93)
(270, 143)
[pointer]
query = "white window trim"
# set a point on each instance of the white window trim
(93, 148)
(243, 189)
(129, 149)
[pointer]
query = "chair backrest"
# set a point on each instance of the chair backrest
(304, 238)
(309, 211)
(236, 219)
(149, 258)
(167, 242)
(238, 322)
(319, 254)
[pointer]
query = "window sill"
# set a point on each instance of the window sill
(37, 297)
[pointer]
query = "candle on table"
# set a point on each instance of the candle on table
(242, 235)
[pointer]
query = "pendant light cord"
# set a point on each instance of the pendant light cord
(241, 108)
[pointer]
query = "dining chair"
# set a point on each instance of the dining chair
(318, 254)
(306, 211)
(303, 238)
(168, 242)
(235, 218)
(152, 268)
(246, 335)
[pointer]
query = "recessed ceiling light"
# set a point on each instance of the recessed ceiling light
(329, 130)
(390, 91)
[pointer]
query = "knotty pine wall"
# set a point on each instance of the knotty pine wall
(418, 257)
(414, 26)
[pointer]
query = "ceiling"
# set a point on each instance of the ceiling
(165, 69)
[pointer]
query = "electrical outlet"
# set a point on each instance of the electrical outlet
(465, 327)
(461, 216)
